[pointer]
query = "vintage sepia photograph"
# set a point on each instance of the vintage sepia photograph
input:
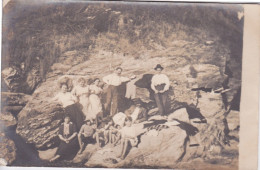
(110, 84)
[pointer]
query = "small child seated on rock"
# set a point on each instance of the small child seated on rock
(106, 130)
(88, 134)
(128, 137)
(114, 135)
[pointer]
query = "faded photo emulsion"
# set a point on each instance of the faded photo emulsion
(121, 84)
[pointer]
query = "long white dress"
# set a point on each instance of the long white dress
(82, 93)
(95, 105)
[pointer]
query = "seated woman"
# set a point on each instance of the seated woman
(87, 134)
(128, 137)
(67, 100)
(81, 92)
(68, 141)
(95, 106)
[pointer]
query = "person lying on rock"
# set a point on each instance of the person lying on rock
(68, 101)
(68, 140)
(128, 137)
(137, 112)
(88, 134)
(160, 84)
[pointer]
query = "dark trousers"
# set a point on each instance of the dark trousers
(112, 100)
(75, 114)
(161, 102)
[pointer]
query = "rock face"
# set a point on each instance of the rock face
(179, 53)
(40, 129)
(7, 149)
(14, 102)
(163, 150)
(156, 149)
(7, 120)
(16, 80)
(233, 120)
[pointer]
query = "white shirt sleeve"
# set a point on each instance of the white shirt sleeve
(167, 83)
(124, 79)
(106, 79)
(152, 84)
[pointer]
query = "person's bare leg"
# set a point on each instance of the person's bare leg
(113, 139)
(80, 141)
(126, 141)
(96, 135)
(122, 148)
(80, 144)
(54, 158)
(110, 137)
(106, 136)
(117, 139)
(96, 120)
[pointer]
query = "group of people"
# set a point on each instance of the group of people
(84, 111)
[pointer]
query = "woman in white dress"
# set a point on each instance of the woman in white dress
(81, 92)
(95, 106)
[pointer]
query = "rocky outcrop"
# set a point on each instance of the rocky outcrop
(194, 56)
(14, 102)
(156, 148)
(233, 120)
(7, 120)
(40, 128)
(7, 150)
(17, 80)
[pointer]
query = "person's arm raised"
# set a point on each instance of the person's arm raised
(125, 79)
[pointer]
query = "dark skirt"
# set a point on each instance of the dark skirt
(66, 150)
(76, 115)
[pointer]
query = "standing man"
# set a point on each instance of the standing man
(114, 81)
(160, 85)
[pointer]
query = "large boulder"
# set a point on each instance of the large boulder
(233, 120)
(163, 150)
(40, 127)
(39, 120)
(7, 120)
(17, 80)
(11, 77)
(157, 148)
(14, 102)
(210, 104)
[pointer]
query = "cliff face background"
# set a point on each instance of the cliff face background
(200, 45)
